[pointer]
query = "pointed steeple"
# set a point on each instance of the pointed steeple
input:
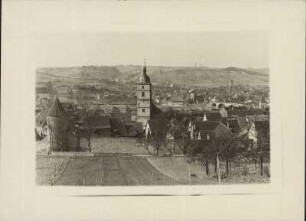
(145, 78)
(144, 70)
(57, 109)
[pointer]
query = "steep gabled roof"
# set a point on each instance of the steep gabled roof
(57, 109)
(207, 125)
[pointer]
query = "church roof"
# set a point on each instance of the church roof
(144, 77)
(57, 109)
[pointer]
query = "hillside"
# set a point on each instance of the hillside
(129, 74)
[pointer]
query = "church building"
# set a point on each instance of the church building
(144, 98)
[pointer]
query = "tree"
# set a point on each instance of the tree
(215, 149)
(143, 142)
(180, 135)
(88, 117)
(263, 149)
(157, 135)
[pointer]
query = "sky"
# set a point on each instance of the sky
(213, 49)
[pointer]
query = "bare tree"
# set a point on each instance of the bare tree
(89, 117)
(156, 139)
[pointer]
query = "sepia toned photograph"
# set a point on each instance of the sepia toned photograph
(152, 110)
(144, 109)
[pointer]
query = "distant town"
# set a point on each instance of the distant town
(145, 129)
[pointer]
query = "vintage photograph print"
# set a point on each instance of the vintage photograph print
(152, 108)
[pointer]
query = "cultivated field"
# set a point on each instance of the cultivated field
(124, 161)
(104, 170)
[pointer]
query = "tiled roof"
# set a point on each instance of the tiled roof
(255, 118)
(245, 112)
(213, 116)
(101, 122)
(126, 117)
(207, 125)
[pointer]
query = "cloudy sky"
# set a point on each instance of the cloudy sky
(214, 49)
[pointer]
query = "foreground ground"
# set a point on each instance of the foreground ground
(105, 170)
(128, 170)
(124, 162)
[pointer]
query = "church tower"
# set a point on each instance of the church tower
(144, 98)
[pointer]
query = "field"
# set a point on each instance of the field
(104, 170)
(129, 170)
(123, 161)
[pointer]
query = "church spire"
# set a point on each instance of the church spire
(144, 71)
(145, 78)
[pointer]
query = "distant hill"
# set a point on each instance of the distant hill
(129, 74)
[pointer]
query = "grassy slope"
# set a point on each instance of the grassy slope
(178, 168)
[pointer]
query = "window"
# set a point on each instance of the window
(143, 110)
(142, 94)
(142, 87)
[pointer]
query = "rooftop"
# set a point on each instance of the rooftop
(57, 109)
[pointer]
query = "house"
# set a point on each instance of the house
(260, 117)
(176, 101)
(212, 116)
(210, 130)
(157, 128)
(233, 125)
(249, 133)
(100, 126)
(191, 125)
